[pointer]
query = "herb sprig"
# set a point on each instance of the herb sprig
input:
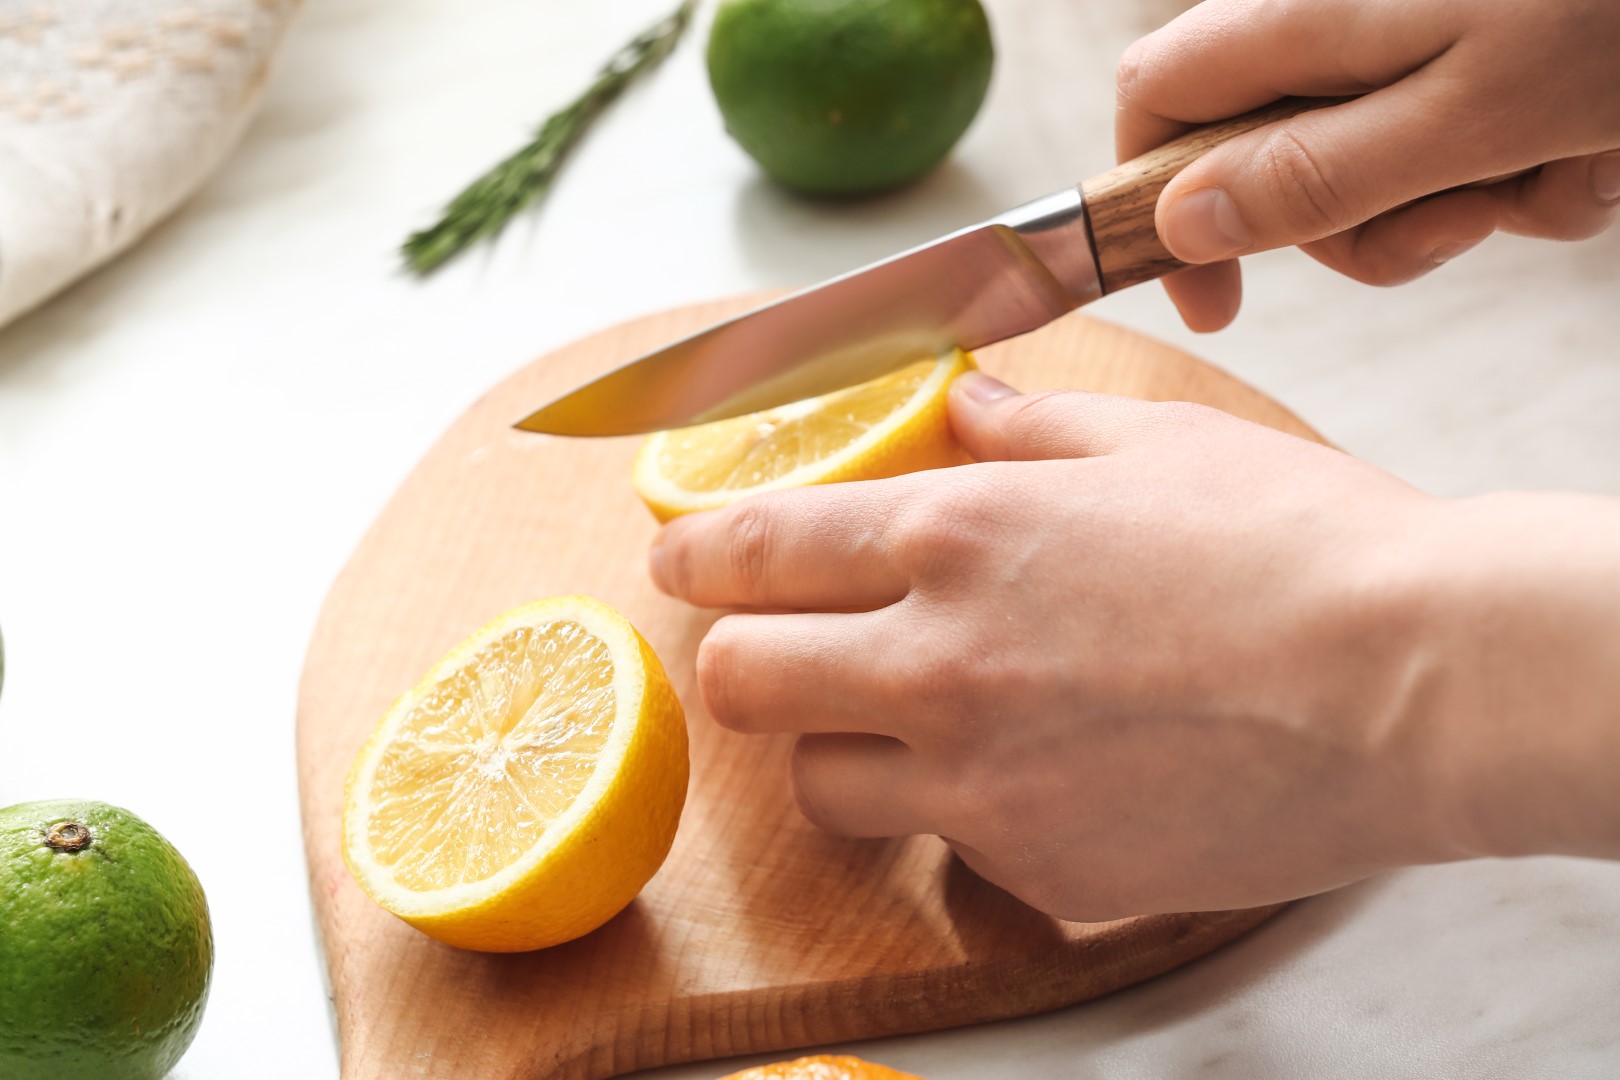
(488, 204)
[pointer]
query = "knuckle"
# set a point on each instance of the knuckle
(1040, 416)
(941, 529)
(1311, 198)
(748, 544)
(1129, 75)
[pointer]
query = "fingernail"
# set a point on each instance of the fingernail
(1446, 252)
(1205, 227)
(655, 565)
(983, 388)
(1606, 177)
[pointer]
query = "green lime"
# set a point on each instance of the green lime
(849, 96)
(105, 945)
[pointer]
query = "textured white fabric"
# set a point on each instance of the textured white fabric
(111, 113)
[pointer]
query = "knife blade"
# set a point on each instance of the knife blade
(991, 281)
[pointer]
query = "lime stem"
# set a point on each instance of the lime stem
(67, 836)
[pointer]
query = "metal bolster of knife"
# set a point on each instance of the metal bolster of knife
(1055, 231)
(1100, 236)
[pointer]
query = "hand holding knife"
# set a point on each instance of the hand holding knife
(979, 285)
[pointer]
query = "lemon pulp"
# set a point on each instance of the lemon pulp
(894, 424)
(495, 754)
(529, 785)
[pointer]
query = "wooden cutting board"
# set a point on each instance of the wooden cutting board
(760, 933)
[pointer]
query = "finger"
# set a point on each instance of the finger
(803, 673)
(857, 785)
(1568, 199)
(819, 547)
(994, 422)
(1331, 169)
(1407, 243)
(1556, 202)
(1219, 60)
(1208, 296)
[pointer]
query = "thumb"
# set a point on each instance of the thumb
(994, 422)
(1323, 172)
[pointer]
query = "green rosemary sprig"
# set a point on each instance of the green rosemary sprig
(486, 205)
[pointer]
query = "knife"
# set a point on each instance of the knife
(979, 285)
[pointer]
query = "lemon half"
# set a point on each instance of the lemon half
(894, 424)
(527, 788)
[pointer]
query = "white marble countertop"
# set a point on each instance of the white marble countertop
(192, 440)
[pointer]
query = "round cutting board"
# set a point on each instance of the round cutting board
(760, 933)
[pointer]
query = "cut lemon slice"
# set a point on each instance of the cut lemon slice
(527, 788)
(894, 424)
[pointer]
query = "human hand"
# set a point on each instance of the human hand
(1141, 658)
(1457, 93)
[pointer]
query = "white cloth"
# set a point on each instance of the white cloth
(111, 113)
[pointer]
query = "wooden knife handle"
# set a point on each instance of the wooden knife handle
(1120, 203)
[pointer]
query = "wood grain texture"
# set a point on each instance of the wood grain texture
(760, 933)
(1120, 204)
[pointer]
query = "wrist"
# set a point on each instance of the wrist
(1402, 626)
(1515, 674)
